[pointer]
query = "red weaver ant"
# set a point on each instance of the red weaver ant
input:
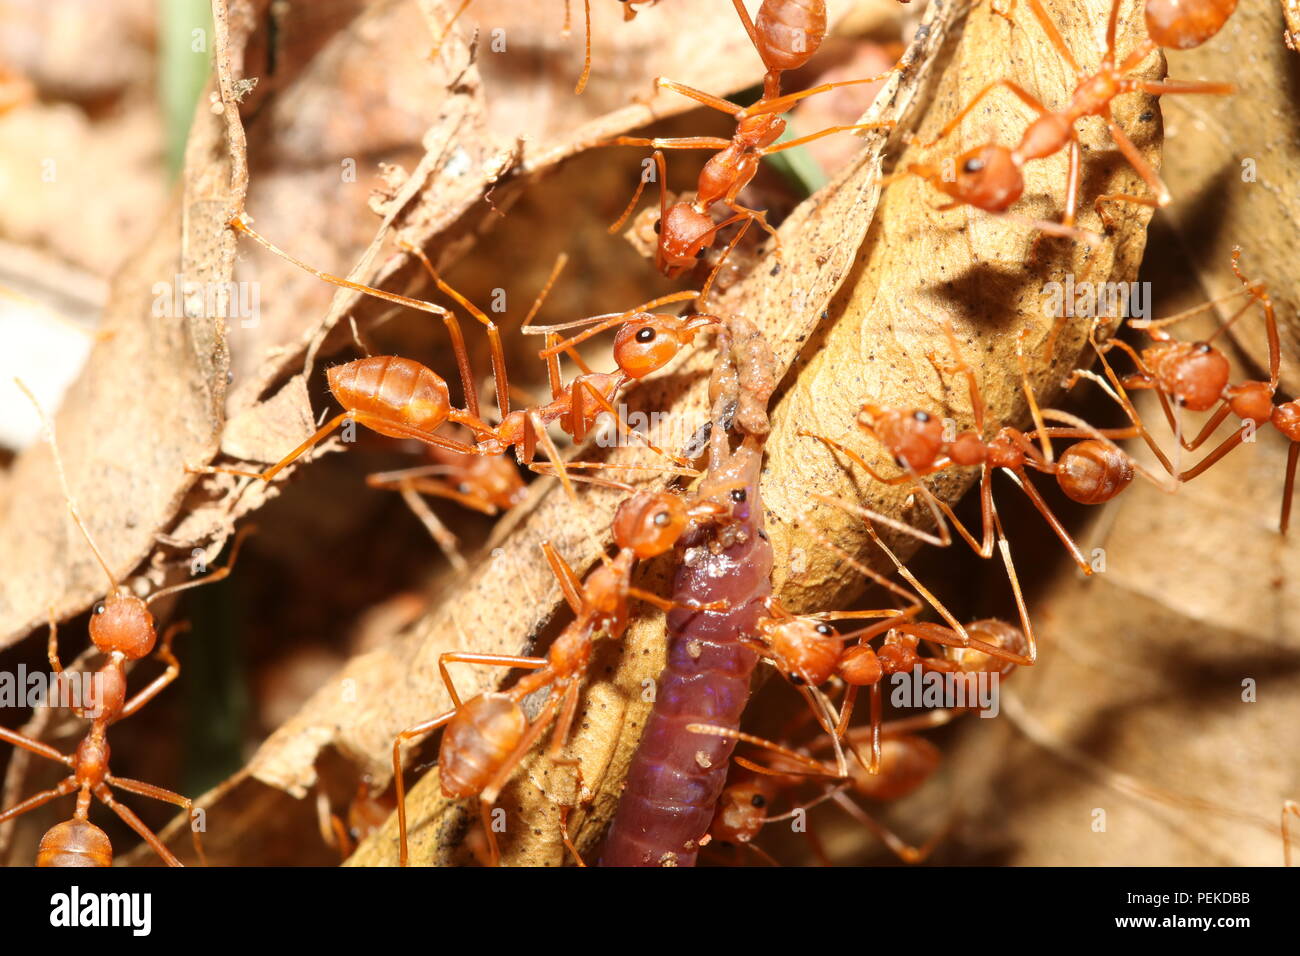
(488, 735)
(122, 629)
(989, 177)
(400, 398)
(786, 33)
(1195, 375)
(901, 761)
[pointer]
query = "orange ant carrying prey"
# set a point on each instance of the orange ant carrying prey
(488, 735)
(990, 177)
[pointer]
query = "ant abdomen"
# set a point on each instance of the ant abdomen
(905, 764)
(481, 735)
(1092, 472)
(790, 31)
(682, 230)
(1183, 24)
(74, 843)
(388, 387)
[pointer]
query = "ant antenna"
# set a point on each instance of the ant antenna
(63, 481)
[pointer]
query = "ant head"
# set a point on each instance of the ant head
(646, 343)
(75, 843)
(805, 650)
(1251, 401)
(1183, 24)
(649, 523)
(742, 811)
(1092, 472)
(684, 234)
(1194, 374)
(913, 436)
(122, 623)
(987, 177)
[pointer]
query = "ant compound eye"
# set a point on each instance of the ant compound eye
(657, 225)
(463, 488)
(646, 334)
(824, 630)
(661, 519)
(99, 608)
(796, 680)
(972, 166)
(700, 253)
(921, 416)
(758, 800)
(738, 495)
(1202, 348)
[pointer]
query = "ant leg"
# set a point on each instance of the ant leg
(418, 730)
(1292, 456)
(442, 536)
(1027, 486)
(914, 601)
(666, 605)
(140, 788)
(780, 104)
(64, 788)
(749, 27)
(813, 768)
(499, 376)
(164, 654)
(446, 30)
(1161, 87)
(1291, 808)
(829, 131)
(135, 823)
(740, 233)
(1140, 165)
(536, 434)
(901, 849)
(564, 725)
(1020, 92)
(1053, 34)
(494, 660)
(570, 583)
(213, 576)
(586, 56)
(32, 745)
(699, 96)
(714, 143)
(320, 435)
(1259, 292)
(1213, 458)
(419, 479)
(601, 402)
(640, 188)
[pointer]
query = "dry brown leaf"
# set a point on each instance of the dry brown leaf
(1234, 181)
(148, 402)
(872, 343)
